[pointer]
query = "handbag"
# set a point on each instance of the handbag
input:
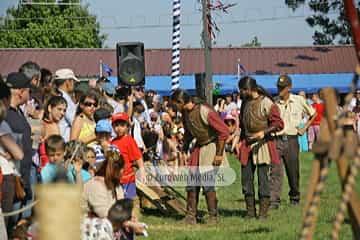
(19, 189)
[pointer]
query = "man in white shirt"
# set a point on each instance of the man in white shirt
(140, 96)
(64, 81)
(138, 120)
(292, 108)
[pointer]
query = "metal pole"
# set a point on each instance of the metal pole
(238, 69)
(100, 68)
(207, 52)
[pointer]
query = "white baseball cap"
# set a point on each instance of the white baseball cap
(66, 73)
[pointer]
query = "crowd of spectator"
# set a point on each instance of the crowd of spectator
(54, 127)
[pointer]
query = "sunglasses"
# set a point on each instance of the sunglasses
(90, 104)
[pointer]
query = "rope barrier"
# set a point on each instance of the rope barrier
(314, 203)
(348, 189)
(23, 209)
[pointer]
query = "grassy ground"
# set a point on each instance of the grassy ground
(284, 223)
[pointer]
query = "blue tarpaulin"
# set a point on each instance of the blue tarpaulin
(228, 83)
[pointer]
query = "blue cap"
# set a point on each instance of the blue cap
(103, 126)
(109, 88)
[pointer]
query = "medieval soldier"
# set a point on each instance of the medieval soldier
(259, 119)
(205, 125)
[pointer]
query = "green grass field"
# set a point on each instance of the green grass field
(284, 223)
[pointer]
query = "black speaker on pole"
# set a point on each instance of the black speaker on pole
(130, 63)
(200, 85)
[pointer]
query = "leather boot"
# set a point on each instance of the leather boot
(211, 201)
(198, 218)
(250, 207)
(264, 207)
(191, 208)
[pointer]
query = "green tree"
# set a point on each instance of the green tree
(329, 22)
(50, 26)
(253, 43)
(294, 4)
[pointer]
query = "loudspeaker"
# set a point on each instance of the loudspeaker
(200, 85)
(130, 63)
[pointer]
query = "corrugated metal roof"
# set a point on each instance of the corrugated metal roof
(268, 60)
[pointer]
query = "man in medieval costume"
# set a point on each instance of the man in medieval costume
(259, 120)
(203, 123)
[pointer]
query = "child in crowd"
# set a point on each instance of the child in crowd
(75, 155)
(303, 139)
(233, 139)
(89, 164)
(102, 144)
(55, 150)
(129, 151)
(314, 129)
(116, 226)
(102, 113)
(180, 145)
(170, 153)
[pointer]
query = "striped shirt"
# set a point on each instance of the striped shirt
(99, 152)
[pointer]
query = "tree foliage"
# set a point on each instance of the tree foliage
(294, 4)
(329, 22)
(253, 43)
(50, 26)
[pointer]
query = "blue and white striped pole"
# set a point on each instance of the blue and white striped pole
(175, 62)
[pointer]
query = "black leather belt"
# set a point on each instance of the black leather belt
(207, 142)
(286, 137)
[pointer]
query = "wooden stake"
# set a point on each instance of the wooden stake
(58, 211)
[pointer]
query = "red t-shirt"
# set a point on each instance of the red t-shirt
(130, 152)
(319, 108)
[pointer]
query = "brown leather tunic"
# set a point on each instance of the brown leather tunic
(253, 119)
(198, 128)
